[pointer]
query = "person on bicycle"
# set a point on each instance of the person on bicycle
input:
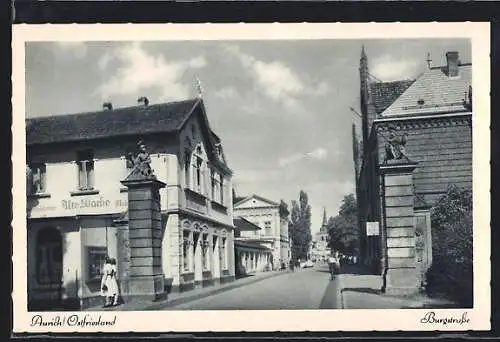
(333, 264)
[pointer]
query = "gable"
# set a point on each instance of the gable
(255, 201)
(196, 131)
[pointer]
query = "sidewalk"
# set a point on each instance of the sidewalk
(361, 290)
(174, 299)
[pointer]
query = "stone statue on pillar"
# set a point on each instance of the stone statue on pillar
(140, 163)
(395, 147)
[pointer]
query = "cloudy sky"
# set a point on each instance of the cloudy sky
(280, 107)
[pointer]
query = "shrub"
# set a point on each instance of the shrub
(451, 273)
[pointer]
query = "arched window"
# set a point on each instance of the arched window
(49, 256)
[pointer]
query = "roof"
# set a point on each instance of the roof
(385, 93)
(256, 197)
(243, 224)
(154, 118)
(434, 92)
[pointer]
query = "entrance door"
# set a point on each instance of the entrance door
(49, 257)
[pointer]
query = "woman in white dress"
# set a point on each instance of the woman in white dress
(109, 286)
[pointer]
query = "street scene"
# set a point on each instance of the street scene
(249, 175)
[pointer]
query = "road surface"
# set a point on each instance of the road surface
(304, 289)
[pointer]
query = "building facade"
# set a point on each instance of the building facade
(250, 256)
(77, 203)
(415, 141)
(273, 221)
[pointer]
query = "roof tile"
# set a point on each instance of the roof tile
(385, 93)
(433, 92)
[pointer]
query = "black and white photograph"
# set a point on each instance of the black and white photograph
(245, 175)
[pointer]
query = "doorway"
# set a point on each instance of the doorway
(47, 294)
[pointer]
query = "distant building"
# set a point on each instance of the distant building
(415, 141)
(77, 205)
(250, 256)
(320, 249)
(273, 221)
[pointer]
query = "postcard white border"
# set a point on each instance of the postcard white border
(265, 320)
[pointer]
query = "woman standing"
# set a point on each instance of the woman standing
(109, 286)
(116, 297)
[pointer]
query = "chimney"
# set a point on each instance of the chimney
(107, 106)
(143, 101)
(452, 63)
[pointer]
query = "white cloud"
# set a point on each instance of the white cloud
(226, 93)
(387, 68)
(276, 80)
(319, 153)
(139, 70)
(72, 49)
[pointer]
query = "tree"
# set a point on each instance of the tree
(343, 228)
(284, 209)
(451, 272)
(300, 227)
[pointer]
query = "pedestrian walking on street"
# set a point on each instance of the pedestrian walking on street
(291, 265)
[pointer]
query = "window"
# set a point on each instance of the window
(37, 178)
(217, 192)
(214, 242)
(204, 251)
(186, 246)
(215, 185)
(96, 257)
(267, 227)
(197, 164)
(187, 161)
(85, 170)
(49, 256)
(221, 189)
(223, 254)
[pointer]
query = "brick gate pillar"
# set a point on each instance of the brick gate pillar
(401, 273)
(145, 272)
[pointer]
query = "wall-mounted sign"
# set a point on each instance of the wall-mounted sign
(372, 229)
(89, 204)
(84, 203)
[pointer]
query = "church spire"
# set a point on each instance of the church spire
(325, 223)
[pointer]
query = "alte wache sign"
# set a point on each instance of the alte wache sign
(89, 204)
(85, 203)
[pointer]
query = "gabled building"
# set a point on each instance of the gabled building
(77, 203)
(273, 221)
(415, 141)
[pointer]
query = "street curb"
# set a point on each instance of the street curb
(175, 302)
(341, 296)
